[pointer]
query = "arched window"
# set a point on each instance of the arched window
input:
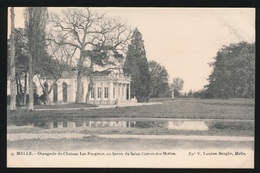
(46, 87)
(55, 93)
(64, 91)
(35, 89)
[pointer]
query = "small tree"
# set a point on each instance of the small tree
(190, 94)
(177, 86)
(159, 80)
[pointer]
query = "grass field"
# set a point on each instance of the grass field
(180, 108)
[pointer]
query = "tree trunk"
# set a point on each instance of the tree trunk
(47, 92)
(12, 65)
(25, 88)
(79, 89)
(20, 93)
(79, 96)
(17, 85)
(30, 105)
(90, 86)
(47, 98)
(79, 81)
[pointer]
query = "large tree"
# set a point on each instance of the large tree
(136, 65)
(21, 64)
(233, 72)
(35, 25)
(90, 34)
(159, 80)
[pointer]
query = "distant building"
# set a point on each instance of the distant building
(110, 87)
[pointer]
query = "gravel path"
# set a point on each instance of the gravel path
(44, 136)
(102, 106)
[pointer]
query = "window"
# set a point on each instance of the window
(99, 92)
(64, 92)
(55, 93)
(118, 92)
(106, 92)
(114, 92)
(46, 87)
(92, 94)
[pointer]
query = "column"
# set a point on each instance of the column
(110, 92)
(116, 91)
(119, 92)
(125, 93)
(51, 96)
(122, 91)
(129, 92)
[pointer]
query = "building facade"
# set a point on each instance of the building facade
(110, 87)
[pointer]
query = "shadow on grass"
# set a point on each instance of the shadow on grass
(69, 105)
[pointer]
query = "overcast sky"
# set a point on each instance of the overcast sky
(184, 40)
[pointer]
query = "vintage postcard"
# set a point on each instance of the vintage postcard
(131, 87)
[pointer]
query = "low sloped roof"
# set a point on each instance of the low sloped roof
(102, 73)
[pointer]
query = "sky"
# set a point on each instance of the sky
(183, 40)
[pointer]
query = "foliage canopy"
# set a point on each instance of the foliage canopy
(136, 65)
(233, 72)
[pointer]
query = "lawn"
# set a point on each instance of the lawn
(242, 109)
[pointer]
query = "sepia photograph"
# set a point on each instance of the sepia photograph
(125, 87)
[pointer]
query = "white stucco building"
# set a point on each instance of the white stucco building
(110, 87)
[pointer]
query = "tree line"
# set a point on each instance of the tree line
(233, 74)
